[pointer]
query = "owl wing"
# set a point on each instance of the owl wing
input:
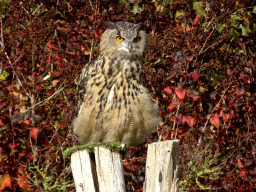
(85, 76)
(142, 79)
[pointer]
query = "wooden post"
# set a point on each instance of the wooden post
(162, 167)
(109, 167)
(108, 177)
(82, 171)
(103, 171)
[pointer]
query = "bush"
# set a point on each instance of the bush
(200, 68)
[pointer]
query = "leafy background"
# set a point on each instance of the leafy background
(200, 68)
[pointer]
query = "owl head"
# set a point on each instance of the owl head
(124, 38)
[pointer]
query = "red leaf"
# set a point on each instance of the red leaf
(242, 173)
(172, 106)
(98, 33)
(240, 91)
(215, 120)
(240, 164)
(59, 63)
(59, 57)
(49, 44)
(167, 135)
(21, 155)
(46, 142)
(180, 93)
(6, 181)
(195, 75)
(252, 172)
(34, 132)
(20, 170)
(196, 19)
(55, 74)
(13, 145)
(39, 88)
(49, 60)
(189, 120)
(189, 58)
(226, 117)
(2, 159)
(230, 72)
(2, 105)
(92, 17)
(168, 90)
(178, 119)
(179, 131)
(1, 123)
(30, 78)
(22, 182)
(27, 122)
(194, 96)
(19, 68)
(177, 2)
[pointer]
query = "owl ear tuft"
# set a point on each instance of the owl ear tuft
(140, 26)
(111, 25)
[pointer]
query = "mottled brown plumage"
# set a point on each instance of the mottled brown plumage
(114, 105)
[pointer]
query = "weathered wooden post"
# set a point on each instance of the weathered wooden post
(162, 167)
(106, 177)
(103, 172)
(81, 166)
(109, 167)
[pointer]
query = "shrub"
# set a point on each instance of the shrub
(200, 68)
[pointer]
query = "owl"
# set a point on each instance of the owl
(114, 104)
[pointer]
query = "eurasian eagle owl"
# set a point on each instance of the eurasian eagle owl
(114, 104)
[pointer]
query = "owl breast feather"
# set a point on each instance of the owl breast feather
(116, 106)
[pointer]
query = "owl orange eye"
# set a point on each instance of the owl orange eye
(119, 39)
(136, 39)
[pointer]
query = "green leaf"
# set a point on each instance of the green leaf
(4, 75)
(136, 9)
(200, 10)
(179, 13)
(245, 31)
(235, 35)
(221, 27)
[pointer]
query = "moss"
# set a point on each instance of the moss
(113, 146)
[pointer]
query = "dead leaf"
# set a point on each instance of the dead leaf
(5, 181)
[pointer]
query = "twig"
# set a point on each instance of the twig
(209, 24)
(37, 9)
(24, 8)
(205, 42)
(2, 37)
(55, 132)
(35, 12)
(91, 52)
(65, 142)
(208, 47)
(6, 55)
(65, 97)
(44, 101)
(174, 124)
(91, 4)
(1, 64)
(2, 42)
(200, 140)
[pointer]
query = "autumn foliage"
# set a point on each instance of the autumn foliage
(200, 68)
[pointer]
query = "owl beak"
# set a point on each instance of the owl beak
(127, 47)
